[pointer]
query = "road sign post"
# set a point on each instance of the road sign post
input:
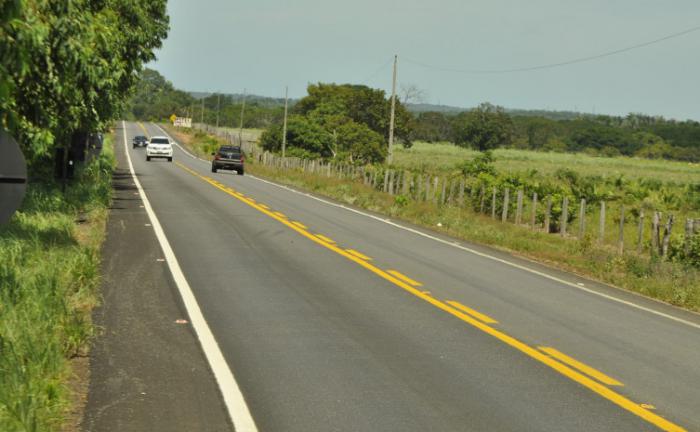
(13, 176)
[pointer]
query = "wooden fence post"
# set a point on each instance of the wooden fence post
(621, 237)
(601, 228)
(506, 198)
(640, 232)
(482, 199)
(407, 178)
(667, 235)
(391, 182)
(533, 212)
(564, 216)
(655, 246)
(385, 185)
(436, 190)
(443, 194)
(582, 219)
(548, 215)
(493, 203)
(451, 197)
(689, 231)
(419, 188)
(519, 208)
(427, 188)
(460, 197)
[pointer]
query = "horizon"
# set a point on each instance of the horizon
(266, 45)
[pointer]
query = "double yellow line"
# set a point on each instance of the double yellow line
(460, 312)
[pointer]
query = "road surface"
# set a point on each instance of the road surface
(335, 320)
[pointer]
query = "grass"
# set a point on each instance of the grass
(443, 157)
(48, 287)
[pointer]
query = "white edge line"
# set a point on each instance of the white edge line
(233, 398)
(466, 249)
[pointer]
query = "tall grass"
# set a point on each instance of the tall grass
(441, 157)
(49, 273)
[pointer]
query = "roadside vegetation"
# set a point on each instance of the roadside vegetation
(48, 287)
(67, 69)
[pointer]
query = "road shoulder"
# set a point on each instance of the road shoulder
(147, 369)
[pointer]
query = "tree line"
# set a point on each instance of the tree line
(345, 121)
(67, 68)
(634, 135)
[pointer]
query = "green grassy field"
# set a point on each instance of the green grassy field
(48, 286)
(443, 157)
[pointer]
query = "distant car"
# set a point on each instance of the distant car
(140, 141)
(159, 147)
(228, 158)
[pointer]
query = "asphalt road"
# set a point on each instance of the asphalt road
(322, 339)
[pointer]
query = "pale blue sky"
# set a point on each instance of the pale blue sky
(263, 45)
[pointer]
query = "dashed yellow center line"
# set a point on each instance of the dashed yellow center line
(325, 239)
(279, 214)
(405, 278)
(359, 255)
(145, 132)
(594, 373)
(531, 352)
(264, 206)
(476, 314)
(298, 224)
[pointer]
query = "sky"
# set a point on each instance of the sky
(264, 45)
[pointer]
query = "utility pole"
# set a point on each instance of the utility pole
(390, 158)
(240, 130)
(218, 104)
(202, 117)
(284, 125)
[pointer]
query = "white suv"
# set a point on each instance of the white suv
(159, 147)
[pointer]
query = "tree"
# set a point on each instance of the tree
(411, 93)
(483, 128)
(432, 127)
(68, 67)
(359, 144)
(302, 133)
(358, 103)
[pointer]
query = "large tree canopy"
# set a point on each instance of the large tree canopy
(69, 66)
(483, 128)
(346, 122)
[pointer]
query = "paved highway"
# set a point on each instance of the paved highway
(335, 320)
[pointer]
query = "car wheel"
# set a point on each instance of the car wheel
(213, 169)
(148, 158)
(170, 159)
(240, 171)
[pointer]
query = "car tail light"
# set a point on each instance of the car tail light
(217, 157)
(242, 157)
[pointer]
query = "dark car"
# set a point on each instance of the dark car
(140, 141)
(228, 158)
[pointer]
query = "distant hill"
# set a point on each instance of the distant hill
(447, 109)
(416, 108)
(263, 101)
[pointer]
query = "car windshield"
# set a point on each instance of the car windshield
(236, 150)
(160, 141)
